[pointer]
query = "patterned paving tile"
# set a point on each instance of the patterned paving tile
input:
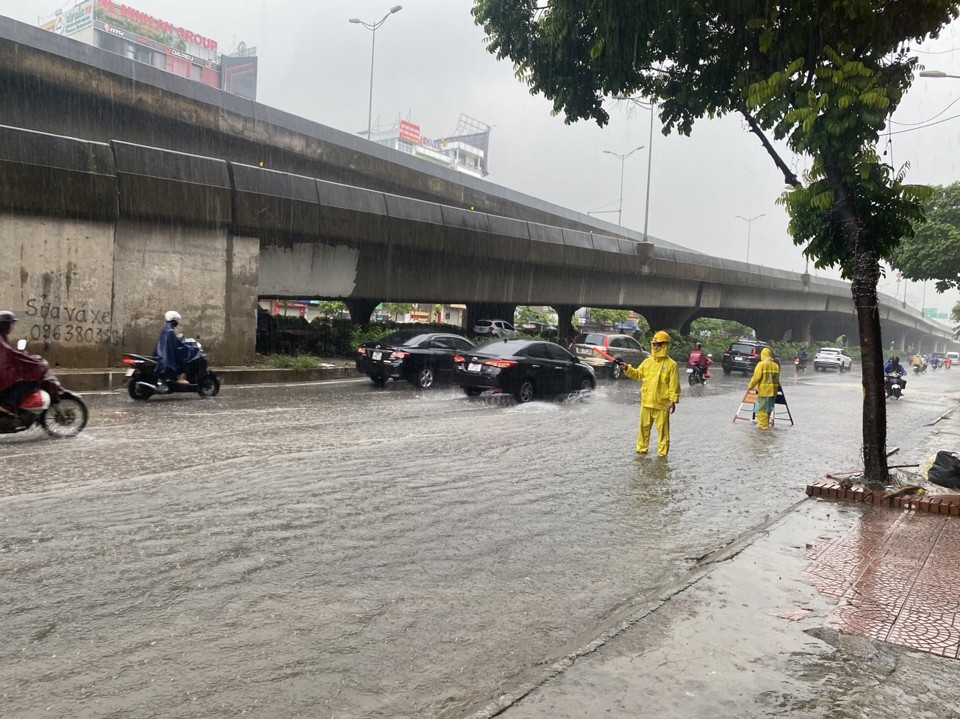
(896, 578)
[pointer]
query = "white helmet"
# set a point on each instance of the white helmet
(172, 316)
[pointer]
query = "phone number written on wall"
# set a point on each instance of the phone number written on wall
(57, 323)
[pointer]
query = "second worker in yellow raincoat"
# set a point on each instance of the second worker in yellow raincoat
(659, 394)
(766, 382)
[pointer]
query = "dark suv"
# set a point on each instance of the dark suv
(742, 356)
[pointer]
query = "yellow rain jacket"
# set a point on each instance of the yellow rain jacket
(766, 377)
(660, 378)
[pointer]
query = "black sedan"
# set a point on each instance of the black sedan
(523, 368)
(421, 358)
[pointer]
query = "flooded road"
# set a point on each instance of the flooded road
(335, 550)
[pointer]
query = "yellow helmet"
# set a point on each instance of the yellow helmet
(661, 336)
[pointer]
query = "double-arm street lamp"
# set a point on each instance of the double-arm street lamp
(623, 159)
(749, 221)
(372, 27)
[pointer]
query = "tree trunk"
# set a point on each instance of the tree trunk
(864, 290)
(865, 271)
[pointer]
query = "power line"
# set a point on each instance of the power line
(931, 119)
(922, 127)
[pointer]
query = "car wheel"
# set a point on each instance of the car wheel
(378, 379)
(587, 384)
(616, 372)
(727, 369)
(526, 391)
(425, 378)
(471, 391)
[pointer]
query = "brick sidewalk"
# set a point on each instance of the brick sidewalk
(895, 576)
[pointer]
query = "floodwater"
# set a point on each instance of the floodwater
(337, 550)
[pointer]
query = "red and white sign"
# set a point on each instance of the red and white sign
(142, 18)
(409, 132)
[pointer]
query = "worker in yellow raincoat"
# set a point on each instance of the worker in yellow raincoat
(659, 393)
(765, 382)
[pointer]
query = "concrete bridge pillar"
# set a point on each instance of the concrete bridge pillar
(769, 329)
(360, 310)
(669, 318)
(802, 330)
(565, 323)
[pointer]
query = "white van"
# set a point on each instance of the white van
(954, 357)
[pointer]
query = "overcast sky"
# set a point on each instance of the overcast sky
(431, 66)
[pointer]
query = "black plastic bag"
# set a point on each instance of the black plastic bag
(945, 470)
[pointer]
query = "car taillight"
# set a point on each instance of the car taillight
(399, 354)
(129, 362)
(362, 351)
(502, 364)
(459, 359)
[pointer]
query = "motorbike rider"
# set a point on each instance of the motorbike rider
(20, 373)
(175, 357)
(802, 356)
(893, 367)
(699, 360)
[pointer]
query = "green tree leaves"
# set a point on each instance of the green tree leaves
(933, 250)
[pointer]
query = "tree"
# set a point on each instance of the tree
(933, 253)
(609, 317)
(820, 75)
(331, 308)
(719, 329)
(526, 313)
(397, 310)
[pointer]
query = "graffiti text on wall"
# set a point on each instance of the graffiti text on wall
(56, 323)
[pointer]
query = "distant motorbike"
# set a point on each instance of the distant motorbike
(800, 364)
(892, 384)
(63, 418)
(143, 383)
(697, 375)
(918, 368)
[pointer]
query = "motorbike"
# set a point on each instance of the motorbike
(918, 368)
(65, 417)
(800, 364)
(142, 380)
(892, 385)
(697, 375)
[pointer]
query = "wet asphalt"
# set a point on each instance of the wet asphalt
(336, 550)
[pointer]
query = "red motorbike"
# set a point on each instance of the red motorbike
(60, 412)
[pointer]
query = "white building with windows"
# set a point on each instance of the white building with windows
(466, 151)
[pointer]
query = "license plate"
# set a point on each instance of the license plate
(689, 370)
(582, 351)
(376, 356)
(130, 372)
(473, 367)
(739, 359)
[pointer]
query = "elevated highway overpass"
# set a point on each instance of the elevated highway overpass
(127, 191)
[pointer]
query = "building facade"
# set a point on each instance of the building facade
(177, 49)
(466, 151)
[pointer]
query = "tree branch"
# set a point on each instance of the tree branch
(789, 177)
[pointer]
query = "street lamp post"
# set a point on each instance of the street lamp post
(749, 221)
(651, 107)
(623, 159)
(372, 27)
